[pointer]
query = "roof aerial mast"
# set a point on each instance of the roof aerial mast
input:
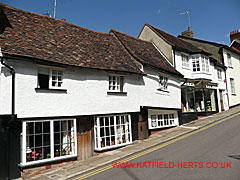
(55, 5)
(188, 14)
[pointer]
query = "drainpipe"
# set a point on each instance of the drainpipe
(12, 71)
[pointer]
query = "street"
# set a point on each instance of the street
(216, 146)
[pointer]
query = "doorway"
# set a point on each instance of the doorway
(84, 142)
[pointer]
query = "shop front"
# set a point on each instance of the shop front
(199, 98)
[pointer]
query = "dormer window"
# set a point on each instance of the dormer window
(163, 83)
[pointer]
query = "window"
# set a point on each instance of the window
(185, 61)
(112, 131)
(219, 74)
(49, 78)
(116, 83)
(232, 86)
(229, 60)
(48, 139)
(196, 63)
(163, 83)
(162, 120)
(205, 64)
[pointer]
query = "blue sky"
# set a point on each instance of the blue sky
(211, 20)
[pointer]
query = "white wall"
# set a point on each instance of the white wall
(153, 97)
(86, 93)
(233, 73)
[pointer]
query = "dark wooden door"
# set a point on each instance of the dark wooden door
(142, 130)
(221, 100)
(84, 147)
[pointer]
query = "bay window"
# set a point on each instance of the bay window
(48, 140)
(200, 63)
(185, 61)
(112, 131)
(195, 63)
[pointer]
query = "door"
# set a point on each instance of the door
(221, 100)
(142, 130)
(84, 146)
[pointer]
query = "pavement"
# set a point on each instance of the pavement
(80, 167)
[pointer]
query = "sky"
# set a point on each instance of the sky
(211, 20)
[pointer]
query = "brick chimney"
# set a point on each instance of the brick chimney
(188, 33)
(63, 20)
(235, 35)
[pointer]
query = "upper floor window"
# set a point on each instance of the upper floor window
(196, 63)
(49, 78)
(219, 74)
(163, 83)
(185, 61)
(232, 86)
(205, 64)
(115, 83)
(229, 60)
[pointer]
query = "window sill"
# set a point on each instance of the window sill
(234, 94)
(50, 90)
(116, 93)
(201, 72)
(113, 147)
(45, 161)
(230, 67)
(162, 90)
(187, 68)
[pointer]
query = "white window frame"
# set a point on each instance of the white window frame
(115, 83)
(52, 158)
(185, 60)
(163, 83)
(219, 74)
(229, 59)
(196, 63)
(162, 119)
(200, 63)
(98, 139)
(233, 92)
(50, 73)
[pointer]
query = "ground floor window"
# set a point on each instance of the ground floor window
(161, 119)
(198, 99)
(112, 131)
(48, 139)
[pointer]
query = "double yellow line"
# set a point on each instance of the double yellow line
(153, 149)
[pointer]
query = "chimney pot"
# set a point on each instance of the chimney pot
(63, 20)
(235, 35)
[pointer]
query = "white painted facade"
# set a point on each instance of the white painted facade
(211, 75)
(87, 92)
(232, 72)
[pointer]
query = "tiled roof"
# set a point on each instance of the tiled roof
(44, 38)
(212, 48)
(145, 52)
(176, 42)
